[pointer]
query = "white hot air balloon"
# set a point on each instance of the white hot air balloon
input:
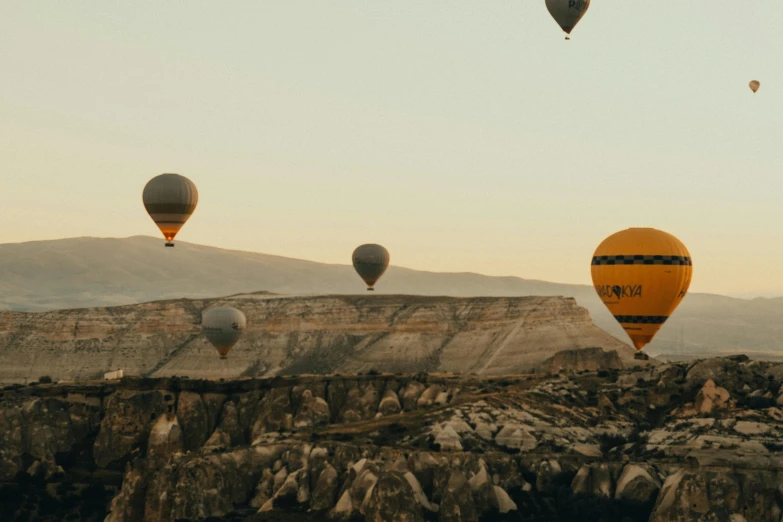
(223, 327)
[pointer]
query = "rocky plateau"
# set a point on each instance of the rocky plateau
(300, 335)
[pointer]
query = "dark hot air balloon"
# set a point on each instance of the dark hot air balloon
(170, 199)
(567, 13)
(223, 327)
(370, 262)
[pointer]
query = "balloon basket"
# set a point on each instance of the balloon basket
(641, 356)
(169, 244)
(371, 289)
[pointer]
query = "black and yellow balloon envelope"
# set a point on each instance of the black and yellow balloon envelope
(641, 275)
(223, 327)
(170, 200)
(370, 262)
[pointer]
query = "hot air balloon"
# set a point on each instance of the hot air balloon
(641, 275)
(170, 199)
(754, 86)
(223, 327)
(567, 13)
(370, 262)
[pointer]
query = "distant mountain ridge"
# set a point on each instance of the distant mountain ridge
(88, 272)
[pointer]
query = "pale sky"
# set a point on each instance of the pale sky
(462, 135)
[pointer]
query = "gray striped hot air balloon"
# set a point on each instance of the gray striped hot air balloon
(223, 327)
(370, 262)
(170, 199)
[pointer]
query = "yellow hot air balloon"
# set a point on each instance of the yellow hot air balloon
(754, 86)
(641, 275)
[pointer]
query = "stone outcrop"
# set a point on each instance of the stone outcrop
(587, 359)
(715, 494)
(126, 424)
(728, 373)
(299, 335)
(711, 397)
(637, 483)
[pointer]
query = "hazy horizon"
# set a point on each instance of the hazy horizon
(463, 137)
(347, 263)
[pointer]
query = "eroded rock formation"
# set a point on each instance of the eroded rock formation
(400, 447)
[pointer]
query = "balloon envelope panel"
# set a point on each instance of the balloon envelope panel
(170, 200)
(641, 275)
(567, 13)
(370, 262)
(223, 327)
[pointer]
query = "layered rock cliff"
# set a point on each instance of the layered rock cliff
(673, 443)
(299, 335)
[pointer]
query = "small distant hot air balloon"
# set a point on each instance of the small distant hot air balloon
(170, 199)
(223, 327)
(370, 261)
(641, 275)
(754, 86)
(567, 13)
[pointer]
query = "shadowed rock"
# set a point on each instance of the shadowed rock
(457, 504)
(591, 359)
(325, 491)
(165, 437)
(637, 485)
(392, 498)
(593, 479)
(126, 424)
(390, 403)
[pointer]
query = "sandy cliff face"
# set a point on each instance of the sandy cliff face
(295, 335)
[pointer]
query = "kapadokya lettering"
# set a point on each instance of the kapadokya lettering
(618, 291)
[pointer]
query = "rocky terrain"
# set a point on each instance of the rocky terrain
(300, 335)
(91, 272)
(669, 443)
